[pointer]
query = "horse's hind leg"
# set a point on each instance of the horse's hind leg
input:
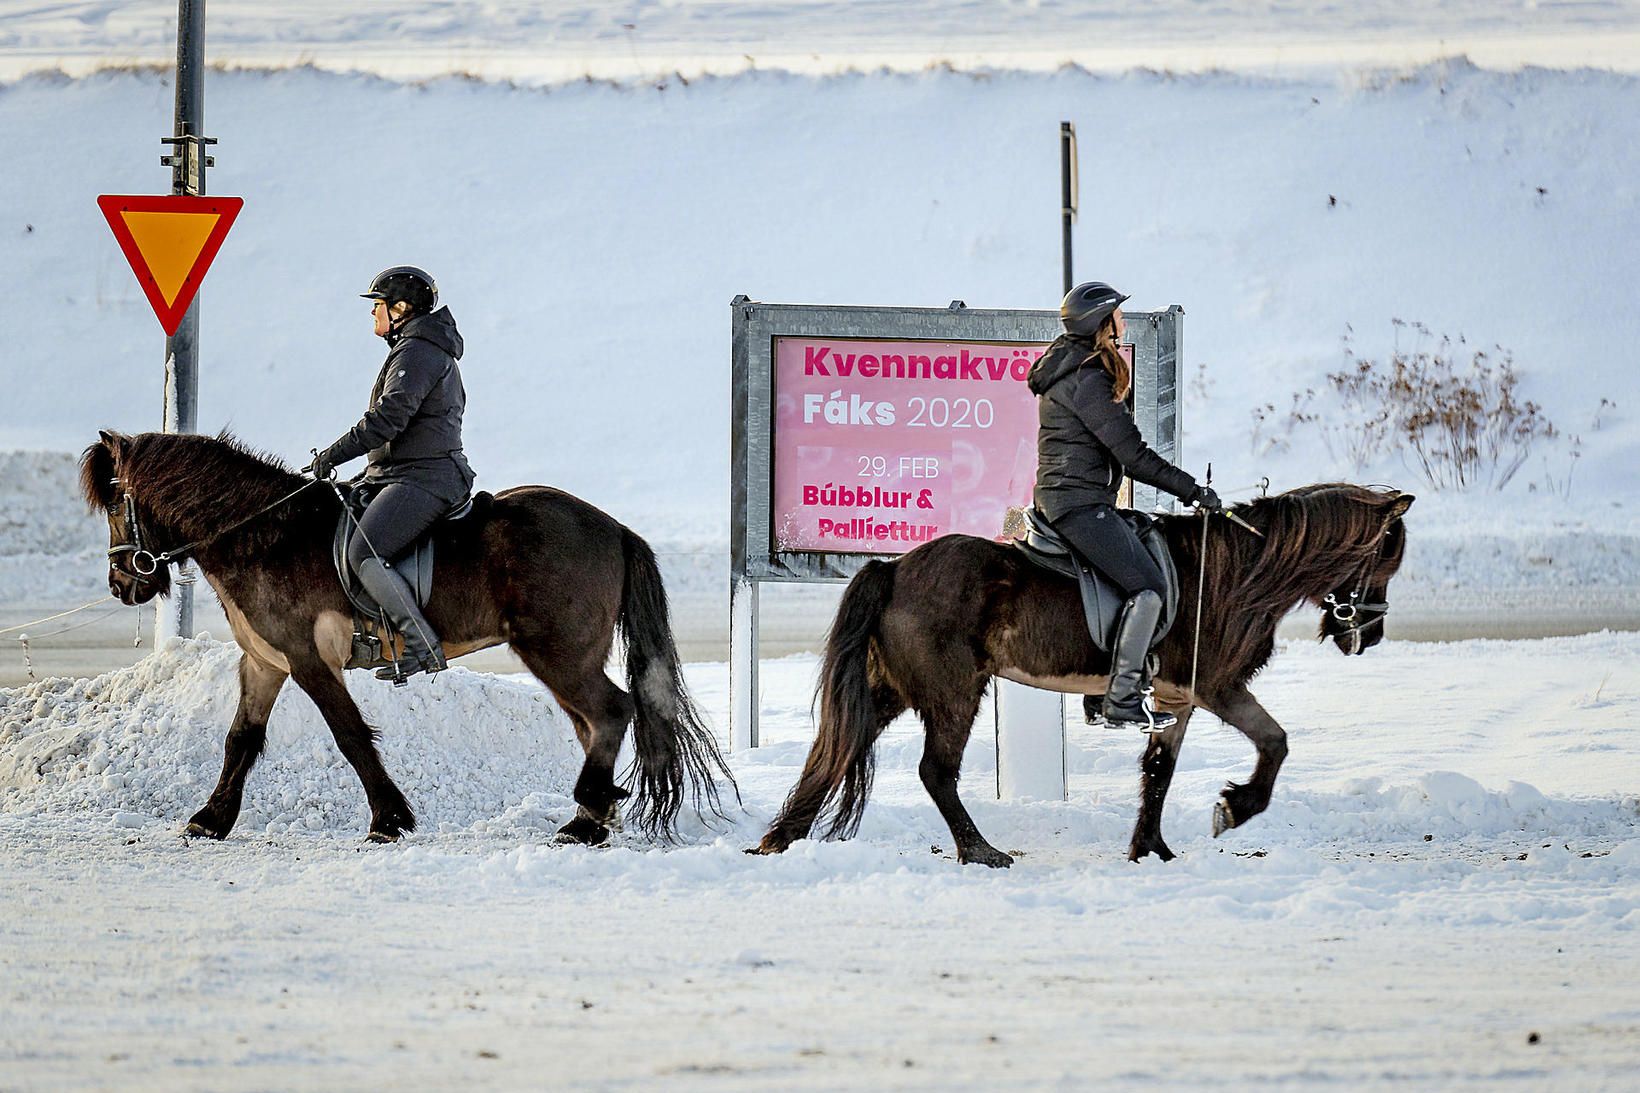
(808, 797)
(258, 687)
(947, 727)
(1241, 802)
(390, 814)
(1160, 758)
(601, 712)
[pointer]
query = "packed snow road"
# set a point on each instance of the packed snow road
(1445, 891)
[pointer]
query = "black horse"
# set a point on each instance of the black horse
(928, 632)
(532, 566)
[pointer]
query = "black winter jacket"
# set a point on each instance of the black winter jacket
(412, 430)
(1085, 439)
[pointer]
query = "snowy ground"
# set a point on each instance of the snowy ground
(1445, 889)
(1443, 893)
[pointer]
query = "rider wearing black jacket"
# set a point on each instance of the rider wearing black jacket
(1086, 442)
(412, 432)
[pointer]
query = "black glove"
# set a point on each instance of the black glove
(321, 468)
(1204, 498)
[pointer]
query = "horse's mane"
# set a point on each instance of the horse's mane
(195, 486)
(1315, 537)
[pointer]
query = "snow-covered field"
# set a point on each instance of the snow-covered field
(1445, 891)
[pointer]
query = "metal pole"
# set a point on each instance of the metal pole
(743, 690)
(1069, 184)
(188, 163)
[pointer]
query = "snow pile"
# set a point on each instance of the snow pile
(145, 743)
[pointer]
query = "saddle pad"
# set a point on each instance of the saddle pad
(1101, 600)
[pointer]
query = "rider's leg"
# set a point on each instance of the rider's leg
(396, 518)
(1104, 538)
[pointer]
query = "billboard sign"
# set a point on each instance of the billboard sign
(883, 444)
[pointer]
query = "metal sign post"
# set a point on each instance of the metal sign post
(1069, 195)
(860, 432)
(187, 162)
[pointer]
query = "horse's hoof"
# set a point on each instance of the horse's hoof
(1223, 818)
(1158, 848)
(196, 830)
(381, 837)
(583, 830)
(769, 845)
(985, 855)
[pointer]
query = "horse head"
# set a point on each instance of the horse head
(134, 574)
(1352, 614)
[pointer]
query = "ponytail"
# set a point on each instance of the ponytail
(1109, 355)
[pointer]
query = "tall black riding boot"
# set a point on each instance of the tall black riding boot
(1127, 699)
(422, 651)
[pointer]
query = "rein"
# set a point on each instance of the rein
(133, 530)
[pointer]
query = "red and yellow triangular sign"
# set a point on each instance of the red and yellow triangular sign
(170, 242)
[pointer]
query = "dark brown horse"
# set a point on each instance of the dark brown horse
(532, 566)
(928, 631)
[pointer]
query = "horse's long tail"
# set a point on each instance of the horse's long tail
(675, 750)
(841, 762)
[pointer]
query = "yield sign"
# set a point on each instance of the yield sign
(169, 242)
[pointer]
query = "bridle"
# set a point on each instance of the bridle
(1355, 615)
(145, 563)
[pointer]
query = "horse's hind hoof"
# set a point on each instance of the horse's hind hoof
(583, 830)
(985, 855)
(1223, 818)
(381, 837)
(200, 831)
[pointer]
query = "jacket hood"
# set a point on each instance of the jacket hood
(1067, 353)
(438, 328)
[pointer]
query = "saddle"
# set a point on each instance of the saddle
(415, 565)
(1101, 600)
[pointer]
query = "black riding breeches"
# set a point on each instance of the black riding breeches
(1107, 542)
(397, 516)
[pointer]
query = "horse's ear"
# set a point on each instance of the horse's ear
(114, 442)
(1399, 506)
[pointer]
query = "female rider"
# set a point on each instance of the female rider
(1086, 442)
(412, 433)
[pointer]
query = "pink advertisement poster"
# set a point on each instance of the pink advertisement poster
(882, 445)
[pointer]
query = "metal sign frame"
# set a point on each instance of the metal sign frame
(753, 558)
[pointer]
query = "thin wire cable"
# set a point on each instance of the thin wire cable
(76, 626)
(58, 615)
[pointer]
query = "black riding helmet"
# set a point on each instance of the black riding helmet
(404, 284)
(1087, 305)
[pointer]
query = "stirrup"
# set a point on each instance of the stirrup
(1154, 720)
(400, 671)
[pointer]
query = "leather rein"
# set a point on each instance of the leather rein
(145, 563)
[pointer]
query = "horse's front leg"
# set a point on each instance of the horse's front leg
(1241, 802)
(1160, 758)
(259, 685)
(390, 814)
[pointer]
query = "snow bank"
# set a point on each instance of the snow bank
(527, 41)
(145, 743)
(1279, 212)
